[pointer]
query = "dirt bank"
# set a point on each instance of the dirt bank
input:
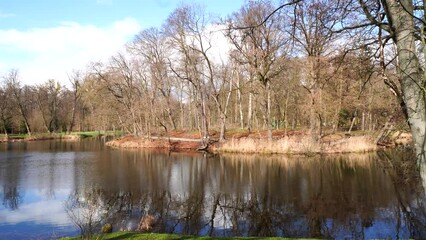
(294, 142)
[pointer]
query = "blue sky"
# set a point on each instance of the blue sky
(47, 39)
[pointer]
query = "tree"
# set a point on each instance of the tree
(48, 100)
(5, 109)
(313, 32)
(185, 28)
(259, 48)
(119, 77)
(18, 94)
(76, 79)
(150, 45)
(404, 21)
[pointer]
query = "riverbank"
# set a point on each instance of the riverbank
(158, 236)
(73, 136)
(291, 142)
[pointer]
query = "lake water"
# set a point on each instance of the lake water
(50, 188)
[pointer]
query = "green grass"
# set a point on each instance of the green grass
(17, 136)
(96, 133)
(81, 134)
(86, 134)
(158, 236)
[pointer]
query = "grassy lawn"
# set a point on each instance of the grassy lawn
(81, 134)
(16, 136)
(96, 133)
(157, 236)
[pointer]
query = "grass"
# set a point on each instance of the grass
(158, 236)
(297, 145)
(353, 144)
(252, 145)
(40, 136)
(16, 136)
(96, 133)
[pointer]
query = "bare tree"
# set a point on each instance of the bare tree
(76, 79)
(259, 47)
(151, 45)
(403, 22)
(120, 80)
(313, 32)
(13, 83)
(5, 109)
(185, 28)
(48, 100)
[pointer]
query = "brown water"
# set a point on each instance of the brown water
(50, 188)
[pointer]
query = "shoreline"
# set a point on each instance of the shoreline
(238, 141)
(293, 143)
(41, 138)
(73, 136)
(164, 236)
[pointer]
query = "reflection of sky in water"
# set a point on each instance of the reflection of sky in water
(39, 208)
(40, 214)
(42, 181)
(351, 200)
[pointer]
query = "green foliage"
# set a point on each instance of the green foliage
(17, 136)
(345, 117)
(107, 228)
(97, 133)
(158, 236)
(36, 136)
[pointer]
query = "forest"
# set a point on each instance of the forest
(314, 66)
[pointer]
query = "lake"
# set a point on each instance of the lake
(51, 189)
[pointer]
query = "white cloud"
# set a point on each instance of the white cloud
(220, 44)
(6, 15)
(46, 53)
(36, 212)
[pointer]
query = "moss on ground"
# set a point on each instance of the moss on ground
(158, 236)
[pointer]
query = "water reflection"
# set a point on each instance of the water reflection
(335, 196)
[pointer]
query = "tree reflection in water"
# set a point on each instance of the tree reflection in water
(347, 196)
(407, 180)
(11, 195)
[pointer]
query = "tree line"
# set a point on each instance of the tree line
(319, 66)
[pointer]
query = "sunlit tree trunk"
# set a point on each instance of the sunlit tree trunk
(412, 81)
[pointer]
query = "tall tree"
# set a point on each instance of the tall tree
(150, 45)
(5, 109)
(314, 23)
(120, 78)
(48, 100)
(259, 47)
(185, 28)
(13, 83)
(76, 79)
(404, 22)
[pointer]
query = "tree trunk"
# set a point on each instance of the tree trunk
(74, 109)
(286, 113)
(169, 114)
(313, 126)
(240, 106)
(339, 107)
(204, 121)
(222, 127)
(250, 112)
(43, 116)
(4, 127)
(24, 116)
(268, 110)
(401, 13)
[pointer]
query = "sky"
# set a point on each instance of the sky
(48, 39)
